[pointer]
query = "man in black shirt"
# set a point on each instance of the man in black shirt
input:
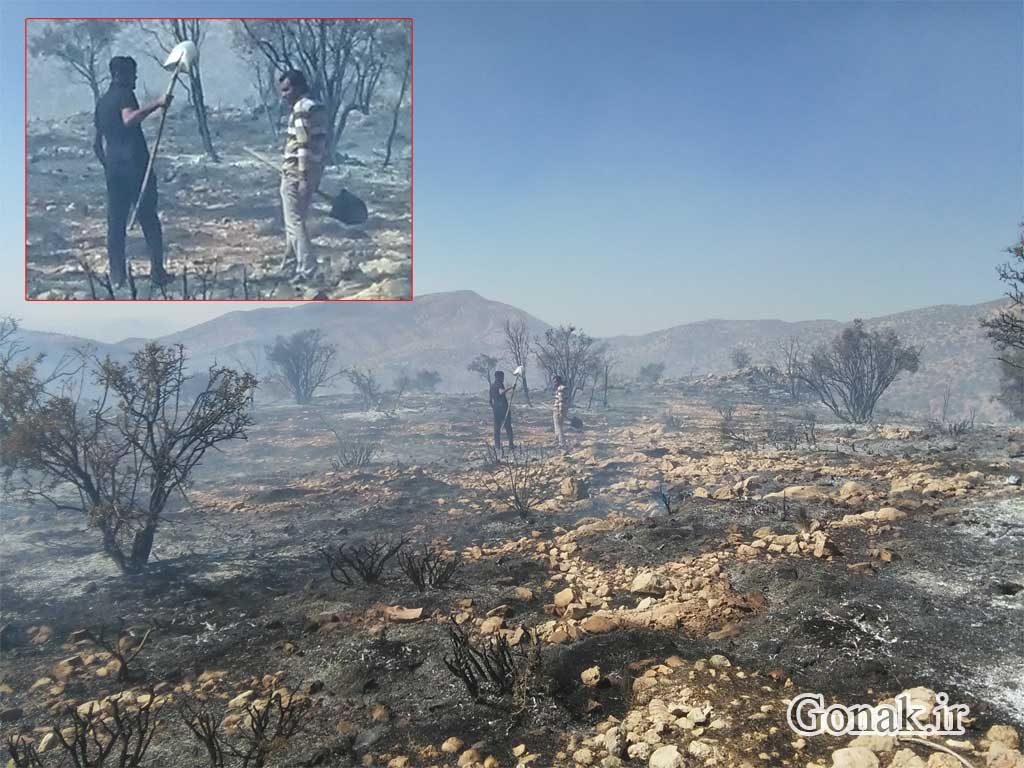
(121, 149)
(499, 405)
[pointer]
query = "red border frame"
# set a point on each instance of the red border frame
(412, 153)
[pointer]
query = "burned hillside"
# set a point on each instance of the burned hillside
(664, 597)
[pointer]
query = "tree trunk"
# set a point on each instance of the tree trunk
(394, 116)
(338, 130)
(199, 106)
(526, 389)
(141, 548)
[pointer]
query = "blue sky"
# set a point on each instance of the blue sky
(628, 167)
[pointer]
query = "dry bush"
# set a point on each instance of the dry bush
(354, 455)
(366, 558)
(671, 421)
(117, 733)
(783, 433)
(492, 671)
(267, 726)
(22, 753)
(125, 646)
(522, 477)
(430, 569)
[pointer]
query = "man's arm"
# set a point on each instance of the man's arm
(97, 147)
(132, 117)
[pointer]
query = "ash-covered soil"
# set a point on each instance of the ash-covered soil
(680, 589)
(223, 231)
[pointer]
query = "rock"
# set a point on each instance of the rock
(597, 624)
(522, 594)
(718, 661)
(469, 757)
(1013, 480)
(639, 751)
(851, 489)
(241, 700)
(906, 758)
(700, 749)
(574, 489)
(564, 598)
(40, 635)
(398, 613)
(1005, 735)
(399, 762)
(798, 493)
(921, 697)
(491, 625)
(454, 744)
(876, 743)
(647, 583)
(1001, 756)
(666, 757)
(943, 760)
(591, 676)
(889, 514)
(48, 742)
(583, 756)
(854, 757)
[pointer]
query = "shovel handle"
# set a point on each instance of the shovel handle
(156, 146)
(323, 195)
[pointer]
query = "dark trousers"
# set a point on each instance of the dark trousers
(499, 419)
(123, 186)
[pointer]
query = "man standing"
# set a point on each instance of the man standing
(499, 407)
(559, 411)
(121, 149)
(304, 158)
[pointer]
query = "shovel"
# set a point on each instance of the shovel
(183, 56)
(508, 413)
(345, 207)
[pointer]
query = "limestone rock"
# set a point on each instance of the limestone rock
(906, 758)
(1005, 735)
(876, 744)
(666, 757)
(647, 583)
(453, 744)
(854, 757)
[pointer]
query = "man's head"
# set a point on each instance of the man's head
(499, 376)
(557, 381)
(293, 85)
(123, 71)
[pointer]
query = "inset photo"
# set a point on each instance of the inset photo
(218, 159)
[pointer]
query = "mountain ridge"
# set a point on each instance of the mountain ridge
(445, 330)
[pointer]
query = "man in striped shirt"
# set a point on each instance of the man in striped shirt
(304, 159)
(560, 410)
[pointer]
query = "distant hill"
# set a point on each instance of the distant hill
(444, 331)
(954, 351)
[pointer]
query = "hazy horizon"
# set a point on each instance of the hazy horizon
(111, 332)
